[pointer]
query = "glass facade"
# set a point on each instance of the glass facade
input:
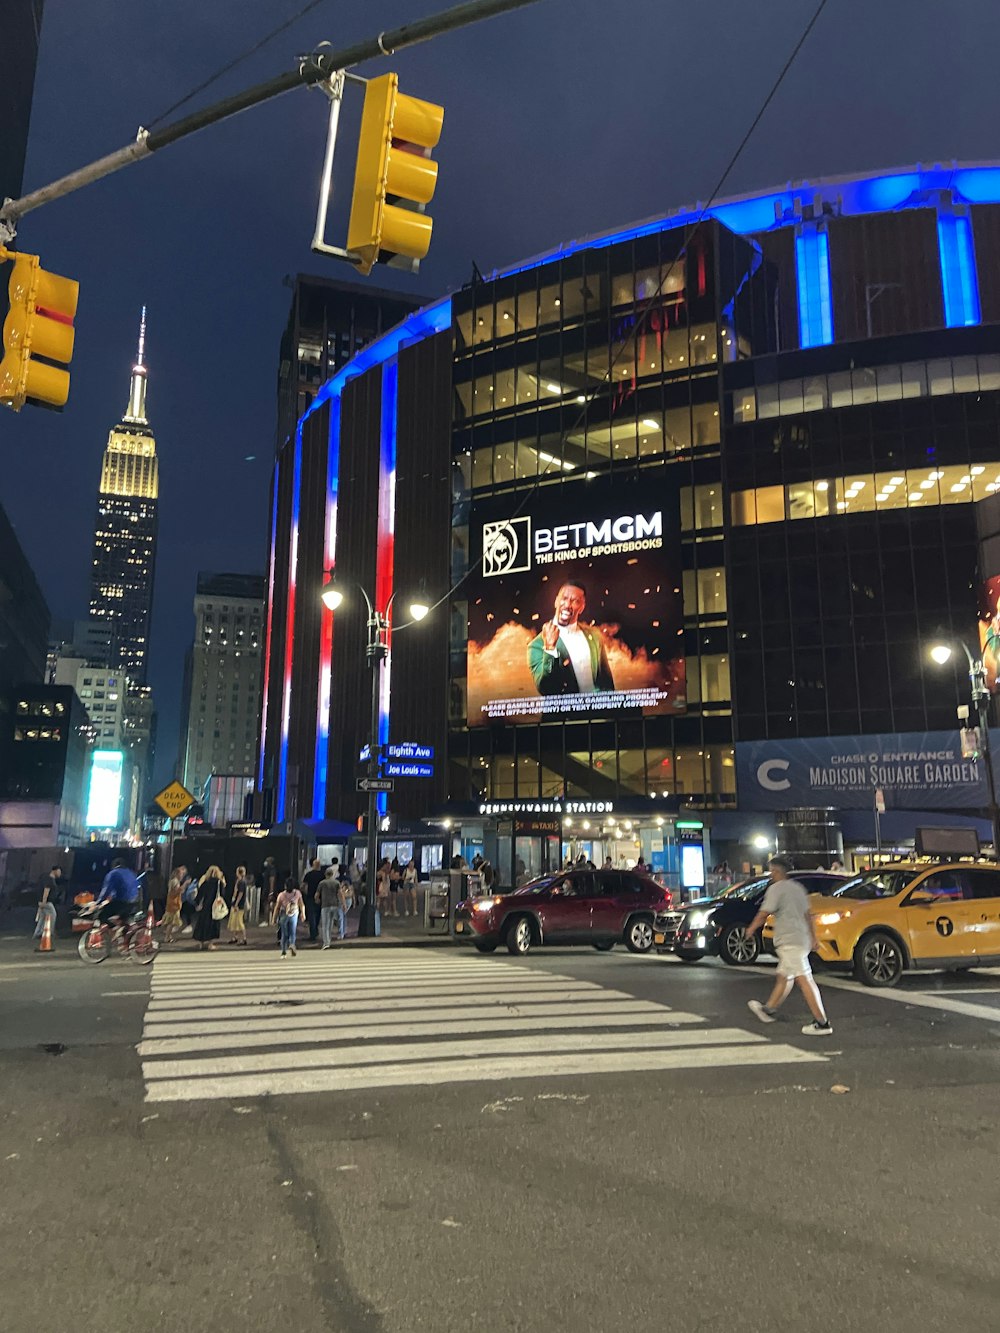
(605, 362)
(832, 619)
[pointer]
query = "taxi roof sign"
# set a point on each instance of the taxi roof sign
(174, 799)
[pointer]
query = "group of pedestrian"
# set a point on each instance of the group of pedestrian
(325, 897)
(200, 907)
(396, 884)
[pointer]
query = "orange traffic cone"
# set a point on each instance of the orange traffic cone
(150, 916)
(45, 944)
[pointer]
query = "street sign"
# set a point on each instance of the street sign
(880, 800)
(375, 784)
(404, 750)
(408, 770)
(410, 750)
(174, 799)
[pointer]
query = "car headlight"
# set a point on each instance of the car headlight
(698, 920)
(831, 918)
(483, 904)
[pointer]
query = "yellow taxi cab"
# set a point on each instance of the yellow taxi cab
(918, 914)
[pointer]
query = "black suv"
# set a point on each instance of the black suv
(719, 926)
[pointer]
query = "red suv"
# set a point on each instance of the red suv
(598, 907)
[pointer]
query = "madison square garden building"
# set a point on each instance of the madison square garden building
(755, 455)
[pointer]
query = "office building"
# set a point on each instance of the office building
(22, 27)
(43, 782)
(328, 323)
(221, 710)
(124, 560)
(762, 444)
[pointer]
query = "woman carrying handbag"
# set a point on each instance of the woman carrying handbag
(211, 907)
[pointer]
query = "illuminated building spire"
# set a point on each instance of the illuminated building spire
(136, 410)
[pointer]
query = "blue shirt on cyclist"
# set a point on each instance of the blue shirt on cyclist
(120, 885)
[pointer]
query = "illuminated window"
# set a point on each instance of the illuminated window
(701, 507)
(910, 488)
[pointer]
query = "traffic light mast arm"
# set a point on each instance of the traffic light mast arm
(313, 69)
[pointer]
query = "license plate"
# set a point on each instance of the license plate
(459, 927)
(659, 939)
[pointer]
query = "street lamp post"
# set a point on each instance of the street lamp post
(941, 653)
(376, 651)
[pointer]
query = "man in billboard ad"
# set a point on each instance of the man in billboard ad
(575, 608)
(569, 657)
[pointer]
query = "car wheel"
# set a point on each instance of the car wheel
(519, 935)
(688, 955)
(878, 960)
(605, 946)
(485, 946)
(737, 948)
(639, 935)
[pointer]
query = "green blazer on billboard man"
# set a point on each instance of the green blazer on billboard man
(567, 657)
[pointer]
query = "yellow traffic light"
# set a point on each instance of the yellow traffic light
(39, 324)
(397, 134)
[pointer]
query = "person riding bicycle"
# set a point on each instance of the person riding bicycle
(119, 895)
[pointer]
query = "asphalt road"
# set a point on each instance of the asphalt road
(733, 1189)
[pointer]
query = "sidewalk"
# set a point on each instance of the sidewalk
(397, 932)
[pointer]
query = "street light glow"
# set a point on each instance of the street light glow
(941, 653)
(419, 609)
(761, 841)
(332, 596)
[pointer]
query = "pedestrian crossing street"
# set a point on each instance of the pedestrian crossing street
(239, 1026)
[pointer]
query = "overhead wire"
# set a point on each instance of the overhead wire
(237, 60)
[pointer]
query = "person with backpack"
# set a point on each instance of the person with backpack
(288, 908)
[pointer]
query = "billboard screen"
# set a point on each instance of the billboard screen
(989, 629)
(915, 770)
(575, 604)
(105, 792)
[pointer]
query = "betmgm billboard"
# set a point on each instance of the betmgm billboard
(575, 606)
(104, 794)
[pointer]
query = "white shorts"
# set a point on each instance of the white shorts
(793, 960)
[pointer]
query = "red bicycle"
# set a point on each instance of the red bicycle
(133, 940)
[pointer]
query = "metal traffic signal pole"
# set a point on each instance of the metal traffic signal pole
(313, 69)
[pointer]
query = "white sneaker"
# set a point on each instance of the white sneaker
(293, 950)
(818, 1029)
(760, 1010)
(325, 946)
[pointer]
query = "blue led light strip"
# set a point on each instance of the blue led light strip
(812, 271)
(958, 271)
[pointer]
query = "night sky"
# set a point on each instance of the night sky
(566, 118)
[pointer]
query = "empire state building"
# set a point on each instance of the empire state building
(121, 580)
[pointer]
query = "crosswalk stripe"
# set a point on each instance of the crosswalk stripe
(473, 1071)
(338, 994)
(257, 1026)
(226, 1039)
(339, 1057)
(279, 1011)
(167, 1027)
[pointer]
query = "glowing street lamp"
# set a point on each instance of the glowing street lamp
(941, 653)
(334, 596)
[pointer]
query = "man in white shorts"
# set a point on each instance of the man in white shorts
(794, 935)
